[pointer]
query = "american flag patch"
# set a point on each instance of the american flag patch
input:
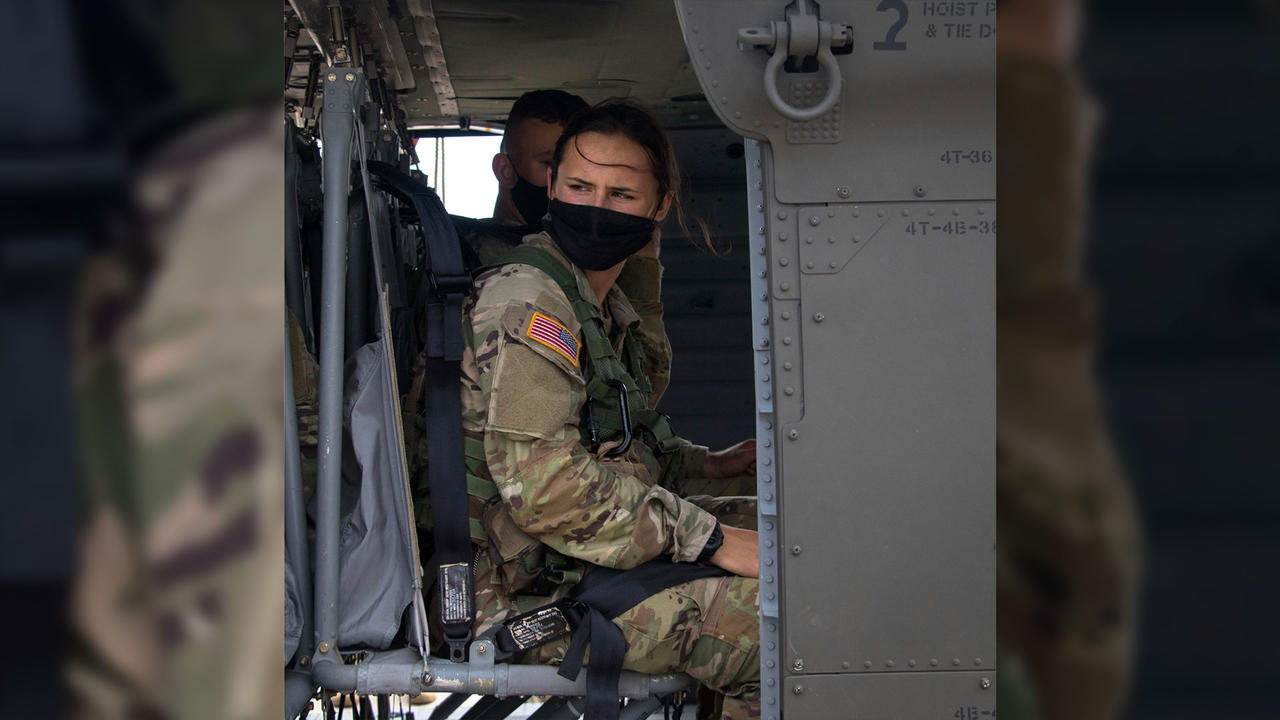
(554, 335)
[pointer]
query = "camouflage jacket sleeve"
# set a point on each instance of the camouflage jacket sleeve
(556, 491)
(688, 461)
(641, 281)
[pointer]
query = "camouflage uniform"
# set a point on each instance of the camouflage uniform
(561, 510)
(1068, 544)
(178, 602)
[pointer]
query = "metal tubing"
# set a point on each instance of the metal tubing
(295, 513)
(292, 237)
(399, 672)
(336, 129)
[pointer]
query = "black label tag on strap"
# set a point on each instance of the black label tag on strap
(455, 593)
(538, 627)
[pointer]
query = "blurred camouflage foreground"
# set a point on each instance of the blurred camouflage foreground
(143, 197)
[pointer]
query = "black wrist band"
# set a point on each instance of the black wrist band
(713, 544)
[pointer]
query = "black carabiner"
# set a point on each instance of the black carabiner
(624, 405)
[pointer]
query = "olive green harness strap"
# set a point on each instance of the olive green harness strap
(607, 371)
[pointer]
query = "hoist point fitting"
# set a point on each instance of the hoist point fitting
(324, 647)
(482, 648)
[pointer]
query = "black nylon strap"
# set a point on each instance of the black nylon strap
(449, 283)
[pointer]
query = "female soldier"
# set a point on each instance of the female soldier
(583, 473)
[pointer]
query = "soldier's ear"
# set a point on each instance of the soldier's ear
(664, 207)
(504, 171)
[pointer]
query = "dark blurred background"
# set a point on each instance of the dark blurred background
(1183, 247)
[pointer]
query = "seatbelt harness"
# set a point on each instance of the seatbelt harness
(587, 613)
(449, 284)
(618, 395)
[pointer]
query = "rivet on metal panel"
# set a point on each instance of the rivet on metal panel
(786, 315)
(764, 359)
(798, 689)
(955, 211)
(986, 683)
(764, 320)
(772, 682)
(808, 266)
(831, 240)
(786, 366)
(738, 114)
(332, 77)
(763, 274)
(762, 251)
(819, 317)
(771, 596)
(351, 77)
(982, 211)
(842, 191)
(911, 662)
(977, 661)
(724, 100)
(785, 287)
(857, 238)
(768, 497)
(766, 395)
(798, 665)
(933, 662)
(794, 434)
(867, 664)
(768, 544)
(814, 220)
(786, 340)
(768, 426)
(782, 214)
(760, 185)
(795, 550)
(931, 211)
(879, 213)
(845, 664)
(857, 212)
(773, 645)
(831, 213)
(888, 663)
(765, 378)
(768, 562)
(706, 66)
(955, 661)
(714, 83)
(808, 241)
(920, 191)
(906, 213)
(784, 262)
(833, 265)
(782, 237)
(771, 664)
(789, 391)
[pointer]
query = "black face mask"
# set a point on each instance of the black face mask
(595, 238)
(530, 200)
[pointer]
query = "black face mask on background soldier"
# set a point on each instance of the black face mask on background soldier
(595, 238)
(530, 199)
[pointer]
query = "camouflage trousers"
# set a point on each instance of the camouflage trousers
(709, 629)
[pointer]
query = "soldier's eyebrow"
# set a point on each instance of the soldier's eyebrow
(612, 188)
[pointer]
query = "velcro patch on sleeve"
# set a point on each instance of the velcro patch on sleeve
(548, 331)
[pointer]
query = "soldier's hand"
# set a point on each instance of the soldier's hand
(732, 462)
(740, 552)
